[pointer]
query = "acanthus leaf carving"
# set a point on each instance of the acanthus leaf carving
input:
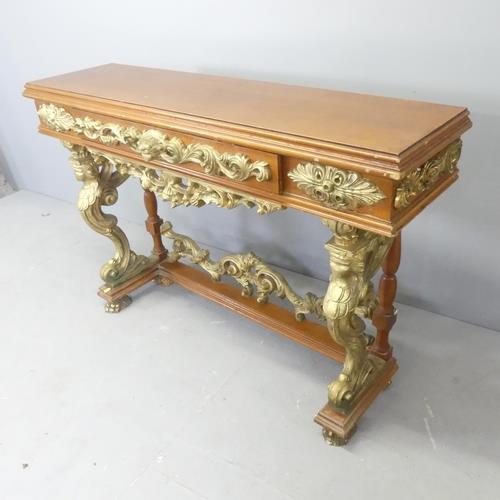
(184, 190)
(254, 276)
(422, 178)
(334, 187)
(152, 144)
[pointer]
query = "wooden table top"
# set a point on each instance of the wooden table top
(364, 122)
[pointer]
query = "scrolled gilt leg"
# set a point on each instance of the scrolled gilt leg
(355, 255)
(100, 182)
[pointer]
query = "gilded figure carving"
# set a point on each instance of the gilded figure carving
(100, 182)
(334, 187)
(355, 256)
(418, 181)
(248, 270)
(152, 144)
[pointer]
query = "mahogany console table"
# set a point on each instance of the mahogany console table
(366, 166)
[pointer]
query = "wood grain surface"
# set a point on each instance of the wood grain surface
(382, 124)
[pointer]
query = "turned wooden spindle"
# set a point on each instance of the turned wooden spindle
(153, 224)
(385, 314)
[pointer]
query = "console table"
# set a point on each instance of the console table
(364, 165)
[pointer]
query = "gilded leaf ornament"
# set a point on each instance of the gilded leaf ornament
(418, 181)
(185, 191)
(152, 144)
(334, 187)
(248, 270)
(256, 277)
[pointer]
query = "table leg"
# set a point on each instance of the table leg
(100, 182)
(384, 315)
(153, 224)
(355, 256)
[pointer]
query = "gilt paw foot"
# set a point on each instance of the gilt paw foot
(117, 305)
(333, 439)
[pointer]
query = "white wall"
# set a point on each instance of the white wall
(446, 51)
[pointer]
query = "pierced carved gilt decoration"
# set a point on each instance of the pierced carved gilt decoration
(152, 144)
(100, 183)
(355, 256)
(184, 190)
(247, 269)
(334, 187)
(421, 179)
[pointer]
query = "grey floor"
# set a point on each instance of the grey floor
(177, 398)
(5, 188)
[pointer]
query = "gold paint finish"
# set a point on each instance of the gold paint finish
(421, 179)
(247, 269)
(100, 183)
(334, 187)
(115, 306)
(152, 144)
(184, 190)
(355, 256)
(334, 439)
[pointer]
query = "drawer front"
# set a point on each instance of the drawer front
(192, 154)
(338, 189)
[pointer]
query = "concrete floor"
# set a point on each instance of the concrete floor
(178, 398)
(5, 188)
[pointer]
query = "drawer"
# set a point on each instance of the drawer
(230, 163)
(338, 189)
